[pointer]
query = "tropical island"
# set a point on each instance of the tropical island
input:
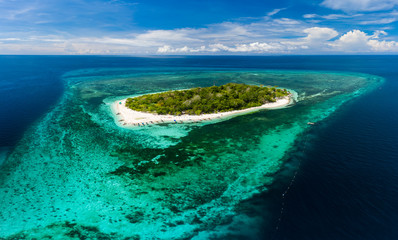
(198, 104)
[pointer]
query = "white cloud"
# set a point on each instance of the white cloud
(315, 36)
(320, 34)
(151, 38)
(275, 11)
(318, 39)
(167, 35)
(266, 35)
(10, 39)
(379, 21)
(185, 49)
(286, 21)
(352, 41)
(331, 16)
(358, 41)
(255, 47)
(383, 46)
(378, 33)
(310, 15)
(360, 5)
(358, 19)
(16, 13)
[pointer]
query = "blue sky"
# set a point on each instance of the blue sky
(192, 27)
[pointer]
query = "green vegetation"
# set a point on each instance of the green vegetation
(195, 101)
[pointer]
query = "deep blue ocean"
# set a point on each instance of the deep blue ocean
(346, 182)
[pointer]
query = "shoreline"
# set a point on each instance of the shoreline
(126, 117)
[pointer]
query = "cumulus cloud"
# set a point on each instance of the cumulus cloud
(318, 39)
(358, 41)
(255, 47)
(360, 5)
(320, 34)
(185, 49)
(314, 36)
(352, 41)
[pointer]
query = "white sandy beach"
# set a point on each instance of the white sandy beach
(126, 117)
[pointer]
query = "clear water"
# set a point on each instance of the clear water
(76, 173)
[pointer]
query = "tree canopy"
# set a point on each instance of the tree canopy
(196, 101)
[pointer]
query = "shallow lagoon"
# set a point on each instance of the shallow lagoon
(77, 173)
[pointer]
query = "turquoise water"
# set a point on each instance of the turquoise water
(76, 173)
